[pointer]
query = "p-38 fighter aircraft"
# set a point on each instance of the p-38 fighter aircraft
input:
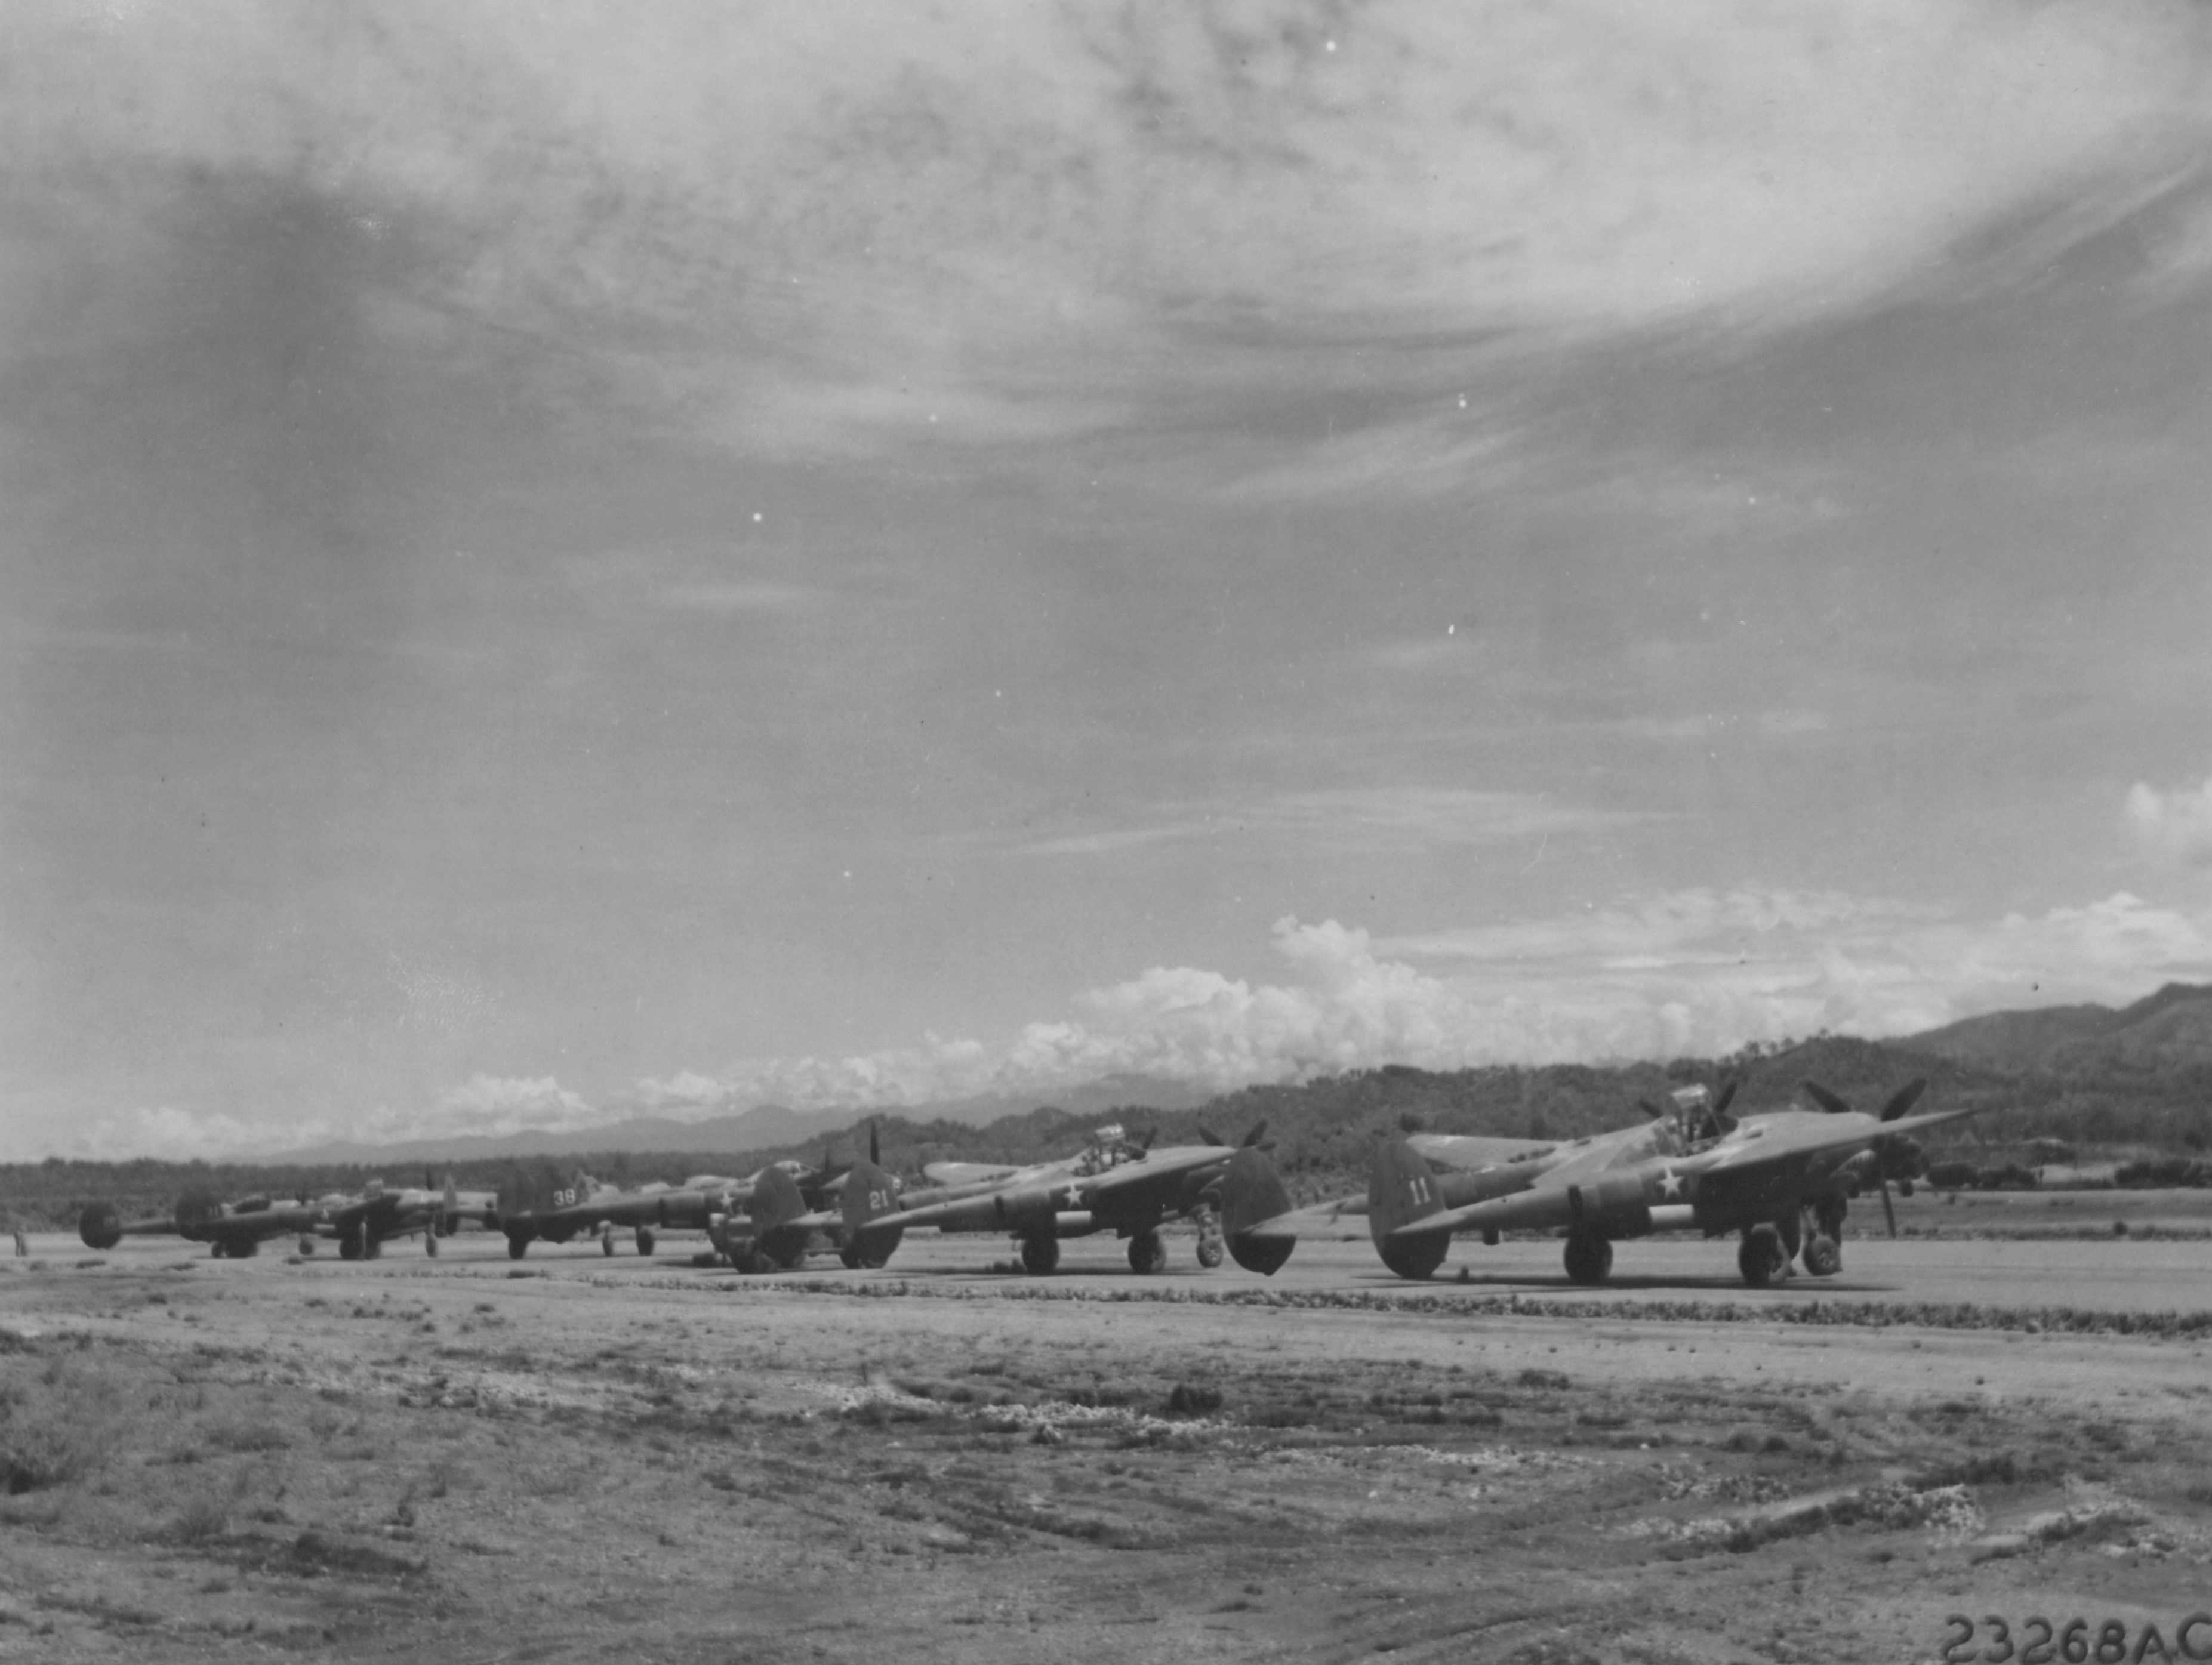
(232, 1229)
(1114, 1185)
(362, 1223)
(1780, 1180)
(729, 1210)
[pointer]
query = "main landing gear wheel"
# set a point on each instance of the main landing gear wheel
(351, 1245)
(1791, 1229)
(306, 1245)
(430, 1244)
(1147, 1253)
(215, 1249)
(371, 1248)
(1824, 1256)
(607, 1241)
(1040, 1255)
(515, 1246)
(1590, 1257)
(1417, 1258)
(645, 1240)
(850, 1255)
(1761, 1259)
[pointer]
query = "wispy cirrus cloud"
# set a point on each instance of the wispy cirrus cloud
(1381, 820)
(916, 225)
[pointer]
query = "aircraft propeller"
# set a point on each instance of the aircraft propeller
(1259, 1132)
(1902, 1156)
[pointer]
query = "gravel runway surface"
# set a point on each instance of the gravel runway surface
(580, 1456)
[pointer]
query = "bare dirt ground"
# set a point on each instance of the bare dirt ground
(583, 1458)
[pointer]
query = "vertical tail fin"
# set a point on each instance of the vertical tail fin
(1401, 1189)
(1251, 1192)
(872, 1233)
(776, 1203)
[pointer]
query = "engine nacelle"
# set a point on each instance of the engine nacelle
(1611, 1203)
(1039, 1205)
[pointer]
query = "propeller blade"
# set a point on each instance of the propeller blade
(875, 1150)
(1150, 1133)
(1904, 1098)
(1651, 1109)
(1208, 1134)
(1727, 1093)
(1259, 1132)
(1888, 1208)
(1827, 1101)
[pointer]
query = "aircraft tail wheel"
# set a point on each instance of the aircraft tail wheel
(1824, 1256)
(1761, 1260)
(1040, 1255)
(1210, 1252)
(1590, 1257)
(1147, 1253)
(515, 1246)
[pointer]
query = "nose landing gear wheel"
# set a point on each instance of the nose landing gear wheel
(1147, 1253)
(1210, 1251)
(1590, 1257)
(1824, 1256)
(1761, 1259)
(1040, 1255)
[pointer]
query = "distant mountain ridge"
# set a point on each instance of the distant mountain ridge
(2170, 1028)
(764, 1127)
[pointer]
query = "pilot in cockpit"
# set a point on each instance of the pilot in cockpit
(1108, 1147)
(1694, 1114)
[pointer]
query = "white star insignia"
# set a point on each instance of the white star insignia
(1670, 1183)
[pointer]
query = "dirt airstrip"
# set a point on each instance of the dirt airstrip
(577, 1458)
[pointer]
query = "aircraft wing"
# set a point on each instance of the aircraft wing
(966, 1173)
(1469, 1152)
(1783, 1144)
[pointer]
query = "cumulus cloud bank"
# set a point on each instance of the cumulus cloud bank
(1687, 972)
(488, 1106)
(1691, 972)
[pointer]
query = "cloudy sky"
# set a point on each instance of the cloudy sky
(566, 560)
